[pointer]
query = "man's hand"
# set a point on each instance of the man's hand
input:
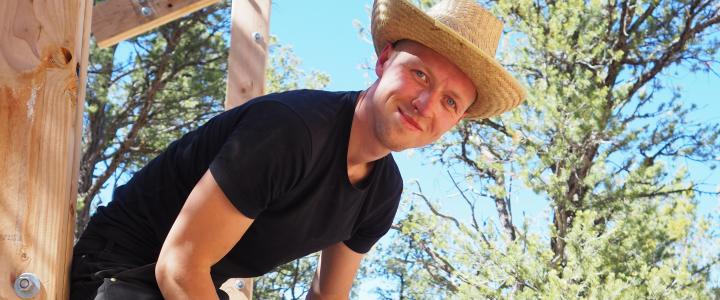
(207, 227)
(335, 273)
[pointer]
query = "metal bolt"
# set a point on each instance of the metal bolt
(27, 285)
(239, 284)
(258, 37)
(24, 284)
(146, 11)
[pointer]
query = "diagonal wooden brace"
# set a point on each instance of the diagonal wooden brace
(118, 20)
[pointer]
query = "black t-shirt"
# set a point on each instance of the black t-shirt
(281, 159)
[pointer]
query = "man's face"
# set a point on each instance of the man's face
(420, 95)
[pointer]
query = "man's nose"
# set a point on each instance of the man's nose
(425, 103)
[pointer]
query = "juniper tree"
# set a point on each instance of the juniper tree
(604, 138)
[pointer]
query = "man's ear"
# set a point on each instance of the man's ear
(382, 59)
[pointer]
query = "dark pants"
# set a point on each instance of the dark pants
(103, 270)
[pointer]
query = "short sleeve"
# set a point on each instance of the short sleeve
(378, 222)
(263, 157)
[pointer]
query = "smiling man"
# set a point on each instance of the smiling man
(289, 174)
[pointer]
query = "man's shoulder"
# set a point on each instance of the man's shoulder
(315, 108)
(313, 103)
(322, 112)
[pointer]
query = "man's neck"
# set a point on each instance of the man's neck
(363, 147)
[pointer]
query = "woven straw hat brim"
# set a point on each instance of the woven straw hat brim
(498, 91)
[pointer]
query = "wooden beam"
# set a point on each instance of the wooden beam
(43, 52)
(118, 20)
(246, 80)
(248, 51)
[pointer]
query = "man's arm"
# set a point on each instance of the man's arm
(207, 227)
(335, 273)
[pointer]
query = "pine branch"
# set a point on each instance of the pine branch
(469, 203)
(129, 140)
(434, 210)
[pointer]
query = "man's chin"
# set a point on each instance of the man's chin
(403, 147)
(396, 147)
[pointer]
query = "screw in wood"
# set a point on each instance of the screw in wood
(146, 11)
(258, 37)
(239, 284)
(27, 285)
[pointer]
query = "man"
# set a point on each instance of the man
(289, 174)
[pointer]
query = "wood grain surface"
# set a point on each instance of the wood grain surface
(43, 54)
(248, 55)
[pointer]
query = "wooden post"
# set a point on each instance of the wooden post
(248, 51)
(43, 58)
(246, 79)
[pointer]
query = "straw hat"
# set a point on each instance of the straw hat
(463, 32)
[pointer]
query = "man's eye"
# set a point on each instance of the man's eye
(451, 102)
(421, 75)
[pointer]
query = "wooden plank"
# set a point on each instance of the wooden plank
(248, 54)
(118, 20)
(42, 47)
(246, 80)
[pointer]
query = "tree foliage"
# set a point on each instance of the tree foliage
(139, 99)
(605, 137)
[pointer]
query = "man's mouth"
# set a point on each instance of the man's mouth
(410, 121)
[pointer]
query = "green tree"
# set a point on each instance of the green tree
(139, 100)
(604, 137)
